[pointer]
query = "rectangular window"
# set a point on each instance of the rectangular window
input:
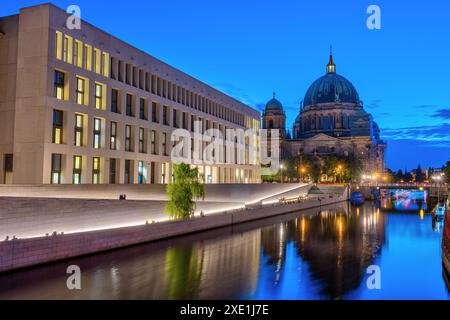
(67, 49)
(142, 110)
(164, 143)
(142, 140)
(112, 171)
(87, 57)
(165, 115)
(99, 99)
(127, 171)
(113, 136)
(129, 102)
(97, 61)
(152, 173)
(56, 169)
(141, 172)
(78, 54)
(128, 144)
(57, 127)
(58, 45)
(79, 121)
(175, 118)
(81, 94)
(59, 83)
(120, 78)
(97, 133)
(153, 142)
(155, 112)
(105, 56)
(77, 170)
(95, 170)
(115, 101)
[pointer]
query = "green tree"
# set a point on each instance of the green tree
(182, 192)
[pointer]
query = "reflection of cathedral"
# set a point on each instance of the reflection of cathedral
(332, 121)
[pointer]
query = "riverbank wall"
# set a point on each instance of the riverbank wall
(22, 253)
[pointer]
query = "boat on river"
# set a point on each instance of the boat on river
(439, 212)
(357, 198)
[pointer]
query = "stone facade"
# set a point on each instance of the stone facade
(81, 106)
(332, 121)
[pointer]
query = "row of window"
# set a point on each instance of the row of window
(80, 138)
(81, 55)
(74, 51)
(97, 170)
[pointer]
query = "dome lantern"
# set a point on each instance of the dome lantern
(331, 67)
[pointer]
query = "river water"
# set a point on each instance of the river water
(319, 254)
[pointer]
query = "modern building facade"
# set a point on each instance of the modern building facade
(83, 107)
(331, 121)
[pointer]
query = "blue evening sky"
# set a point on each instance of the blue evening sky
(250, 48)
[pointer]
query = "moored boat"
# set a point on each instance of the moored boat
(357, 198)
(439, 212)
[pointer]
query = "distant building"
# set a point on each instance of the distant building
(332, 121)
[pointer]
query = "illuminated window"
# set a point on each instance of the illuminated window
(113, 136)
(105, 64)
(97, 61)
(81, 94)
(56, 169)
(57, 127)
(142, 140)
(97, 133)
(79, 123)
(77, 170)
(78, 54)
(58, 45)
(141, 172)
(59, 83)
(96, 170)
(128, 144)
(99, 97)
(87, 57)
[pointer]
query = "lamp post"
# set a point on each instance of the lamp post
(281, 171)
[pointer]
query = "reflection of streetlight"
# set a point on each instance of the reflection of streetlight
(339, 172)
(302, 175)
(438, 178)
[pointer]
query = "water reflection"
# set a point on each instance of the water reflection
(321, 254)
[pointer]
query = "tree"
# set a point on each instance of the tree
(182, 191)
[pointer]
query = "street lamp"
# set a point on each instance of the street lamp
(281, 170)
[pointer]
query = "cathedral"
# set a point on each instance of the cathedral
(331, 121)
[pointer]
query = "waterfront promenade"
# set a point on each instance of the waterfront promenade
(111, 224)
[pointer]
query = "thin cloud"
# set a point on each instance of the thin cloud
(435, 133)
(442, 114)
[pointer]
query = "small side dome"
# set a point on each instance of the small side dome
(274, 106)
